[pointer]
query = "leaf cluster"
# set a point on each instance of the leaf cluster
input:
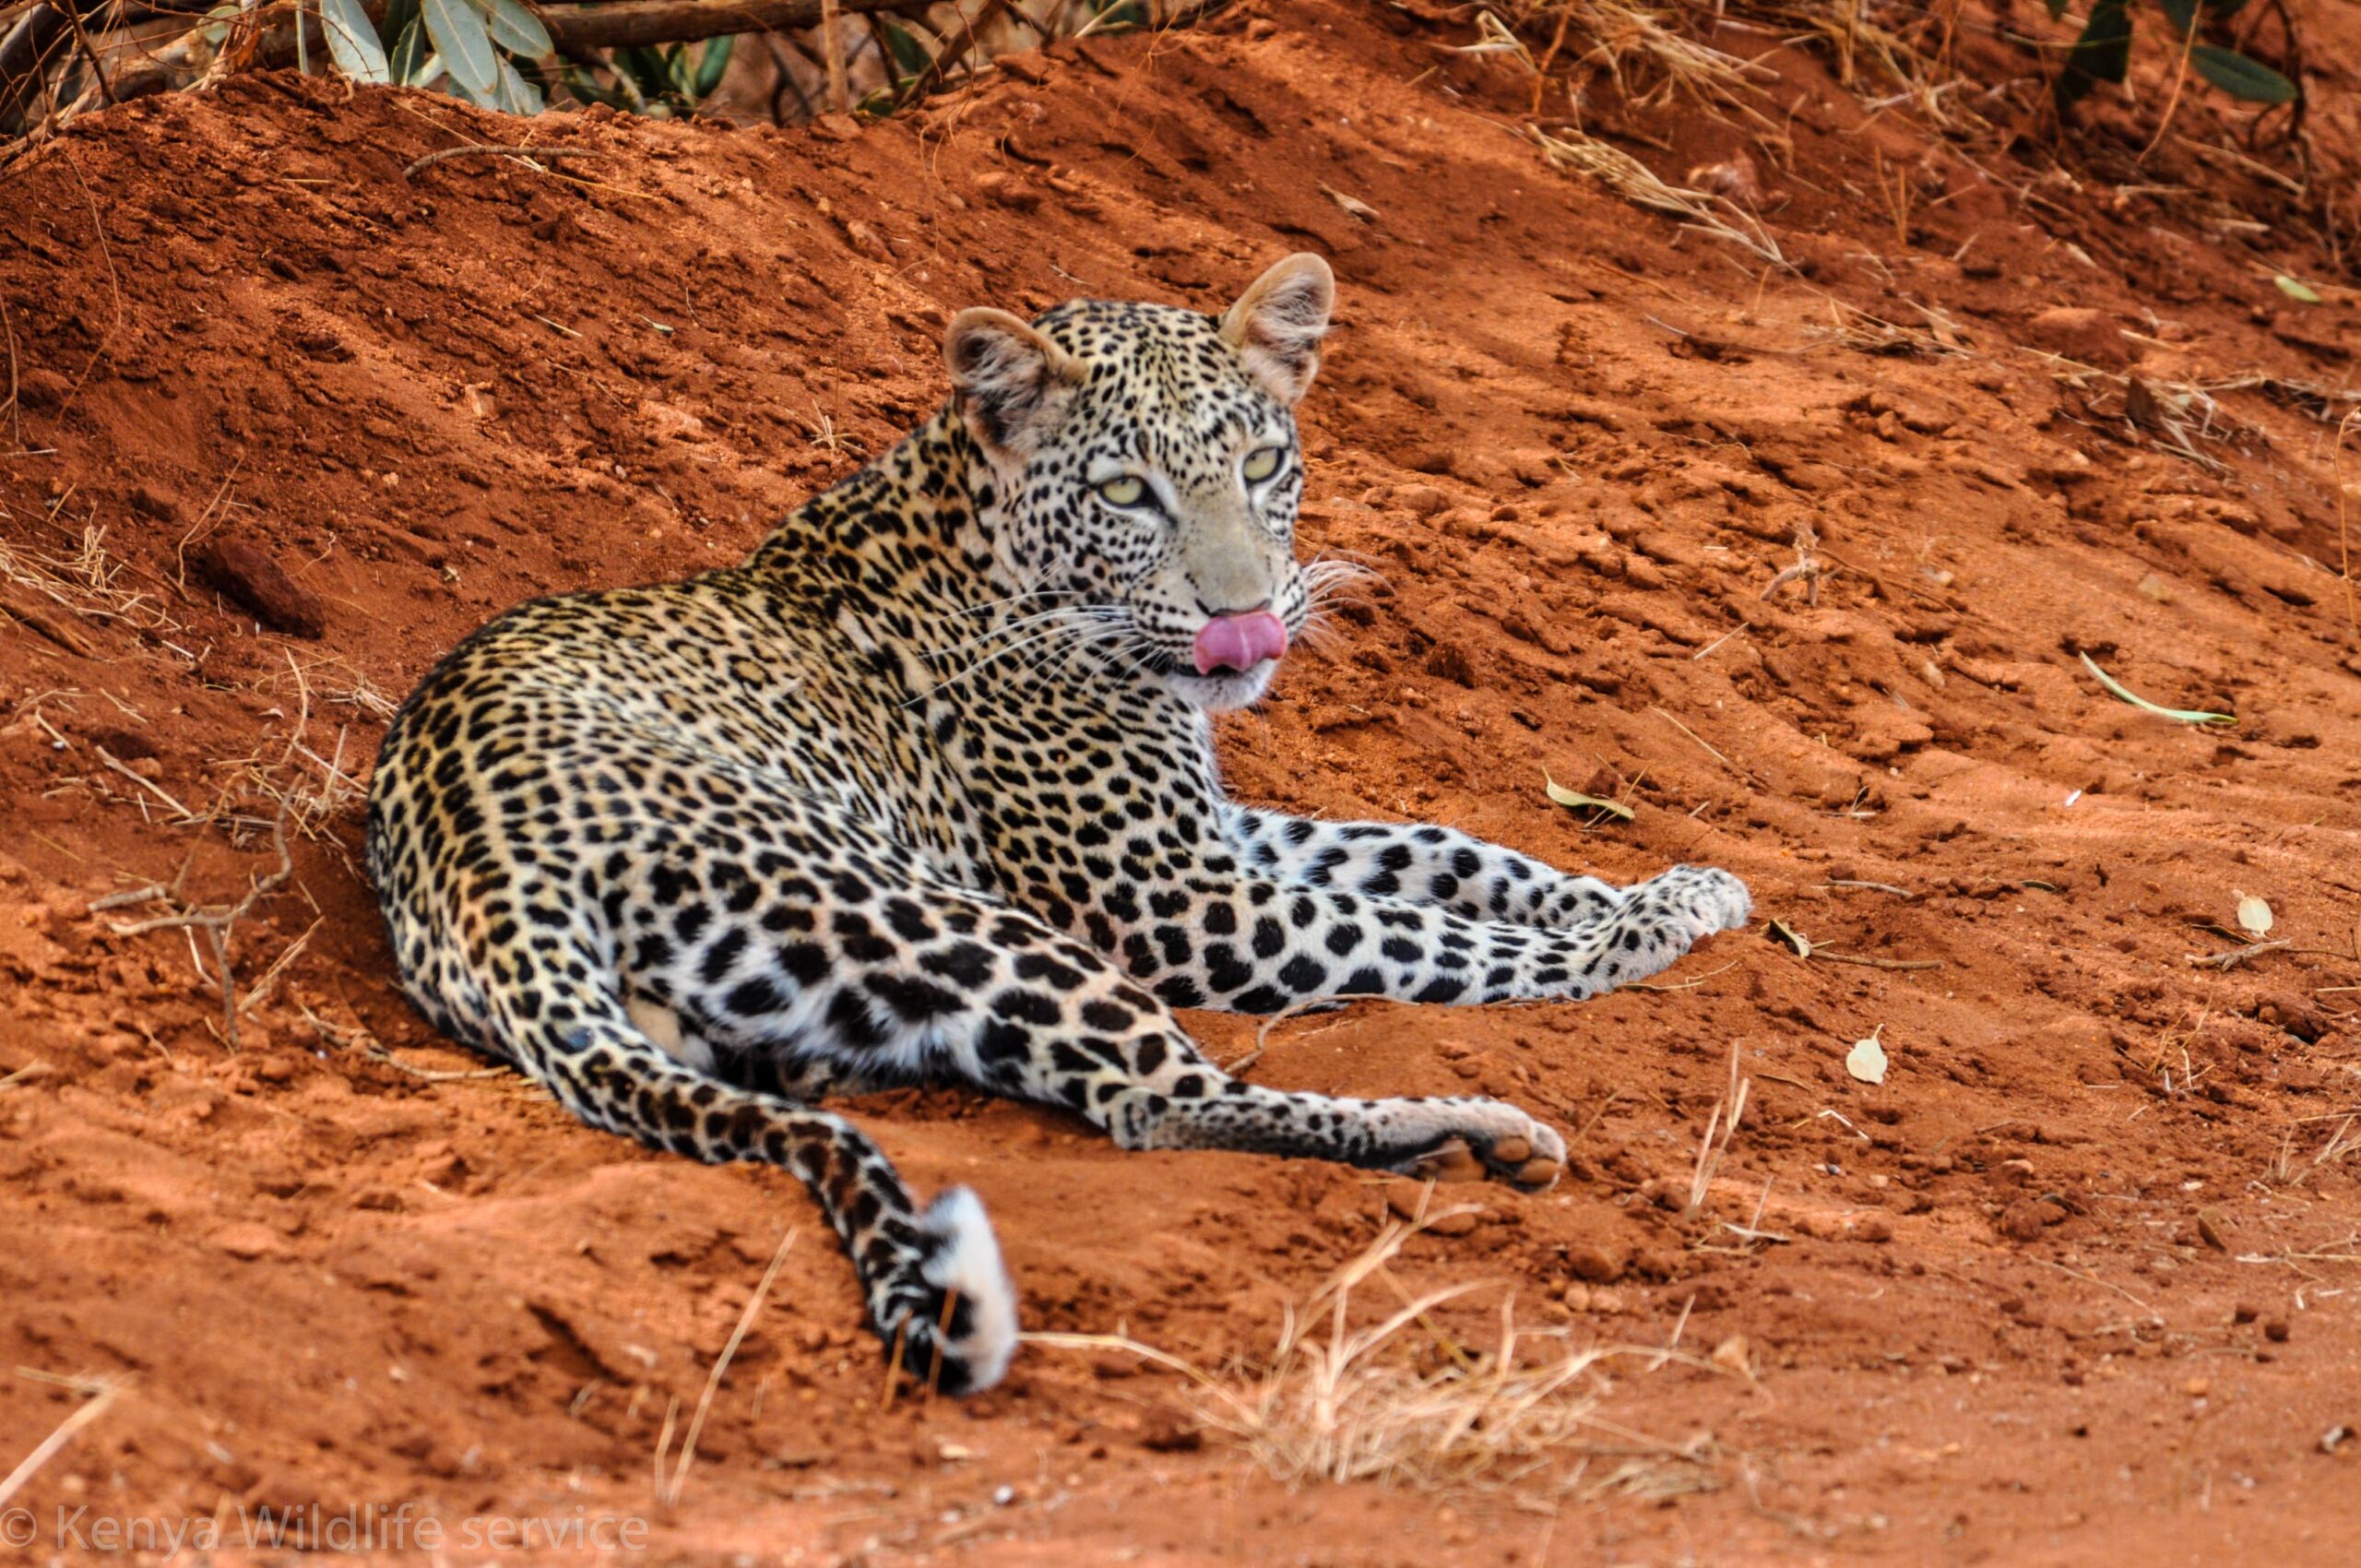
(2102, 52)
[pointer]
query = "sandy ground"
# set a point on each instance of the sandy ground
(2075, 1283)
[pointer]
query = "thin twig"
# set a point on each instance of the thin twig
(83, 1416)
(1870, 887)
(1717, 756)
(524, 154)
(669, 1493)
(1819, 954)
(2237, 956)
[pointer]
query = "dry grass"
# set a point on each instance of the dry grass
(1350, 1395)
(669, 1487)
(1649, 52)
(1867, 54)
(1570, 150)
(298, 802)
(101, 1397)
(2289, 1168)
(1654, 54)
(1721, 1127)
(80, 577)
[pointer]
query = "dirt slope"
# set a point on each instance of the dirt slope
(2069, 1285)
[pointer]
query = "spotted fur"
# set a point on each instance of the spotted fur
(925, 791)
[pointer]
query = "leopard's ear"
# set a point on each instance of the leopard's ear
(1278, 324)
(1013, 383)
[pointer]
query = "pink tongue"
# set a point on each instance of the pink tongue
(1240, 642)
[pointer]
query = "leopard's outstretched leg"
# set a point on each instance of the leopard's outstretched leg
(1251, 945)
(1419, 863)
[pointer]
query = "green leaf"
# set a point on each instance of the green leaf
(1575, 800)
(458, 30)
(352, 41)
(2239, 76)
(2178, 715)
(2101, 55)
(512, 94)
(516, 29)
(2056, 9)
(406, 34)
(714, 61)
(2296, 290)
(649, 76)
(911, 57)
(2183, 15)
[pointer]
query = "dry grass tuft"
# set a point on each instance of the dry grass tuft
(1649, 53)
(1721, 1128)
(1634, 181)
(2288, 1169)
(1346, 1395)
(84, 580)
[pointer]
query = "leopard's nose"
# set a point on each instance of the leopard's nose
(1240, 641)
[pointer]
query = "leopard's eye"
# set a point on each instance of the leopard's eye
(1128, 491)
(1262, 463)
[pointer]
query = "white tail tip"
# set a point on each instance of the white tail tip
(969, 1263)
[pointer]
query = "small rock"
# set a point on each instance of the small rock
(1870, 1228)
(1664, 1192)
(1736, 179)
(2276, 1330)
(248, 1241)
(1170, 1431)
(1405, 1201)
(1025, 66)
(835, 127)
(2080, 333)
(1006, 190)
(1422, 499)
(1597, 1264)
(256, 579)
(2214, 1229)
(2023, 1220)
(1448, 661)
(42, 389)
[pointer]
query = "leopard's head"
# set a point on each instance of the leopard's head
(1142, 476)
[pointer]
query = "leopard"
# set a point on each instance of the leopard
(925, 792)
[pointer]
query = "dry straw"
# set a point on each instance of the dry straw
(1345, 1397)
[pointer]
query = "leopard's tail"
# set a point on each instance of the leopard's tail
(936, 1292)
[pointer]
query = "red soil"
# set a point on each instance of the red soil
(2069, 1285)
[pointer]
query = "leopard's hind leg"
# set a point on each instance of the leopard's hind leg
(848, 947)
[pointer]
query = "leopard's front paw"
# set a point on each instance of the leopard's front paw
(1693, 902)
(1488, 1139)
